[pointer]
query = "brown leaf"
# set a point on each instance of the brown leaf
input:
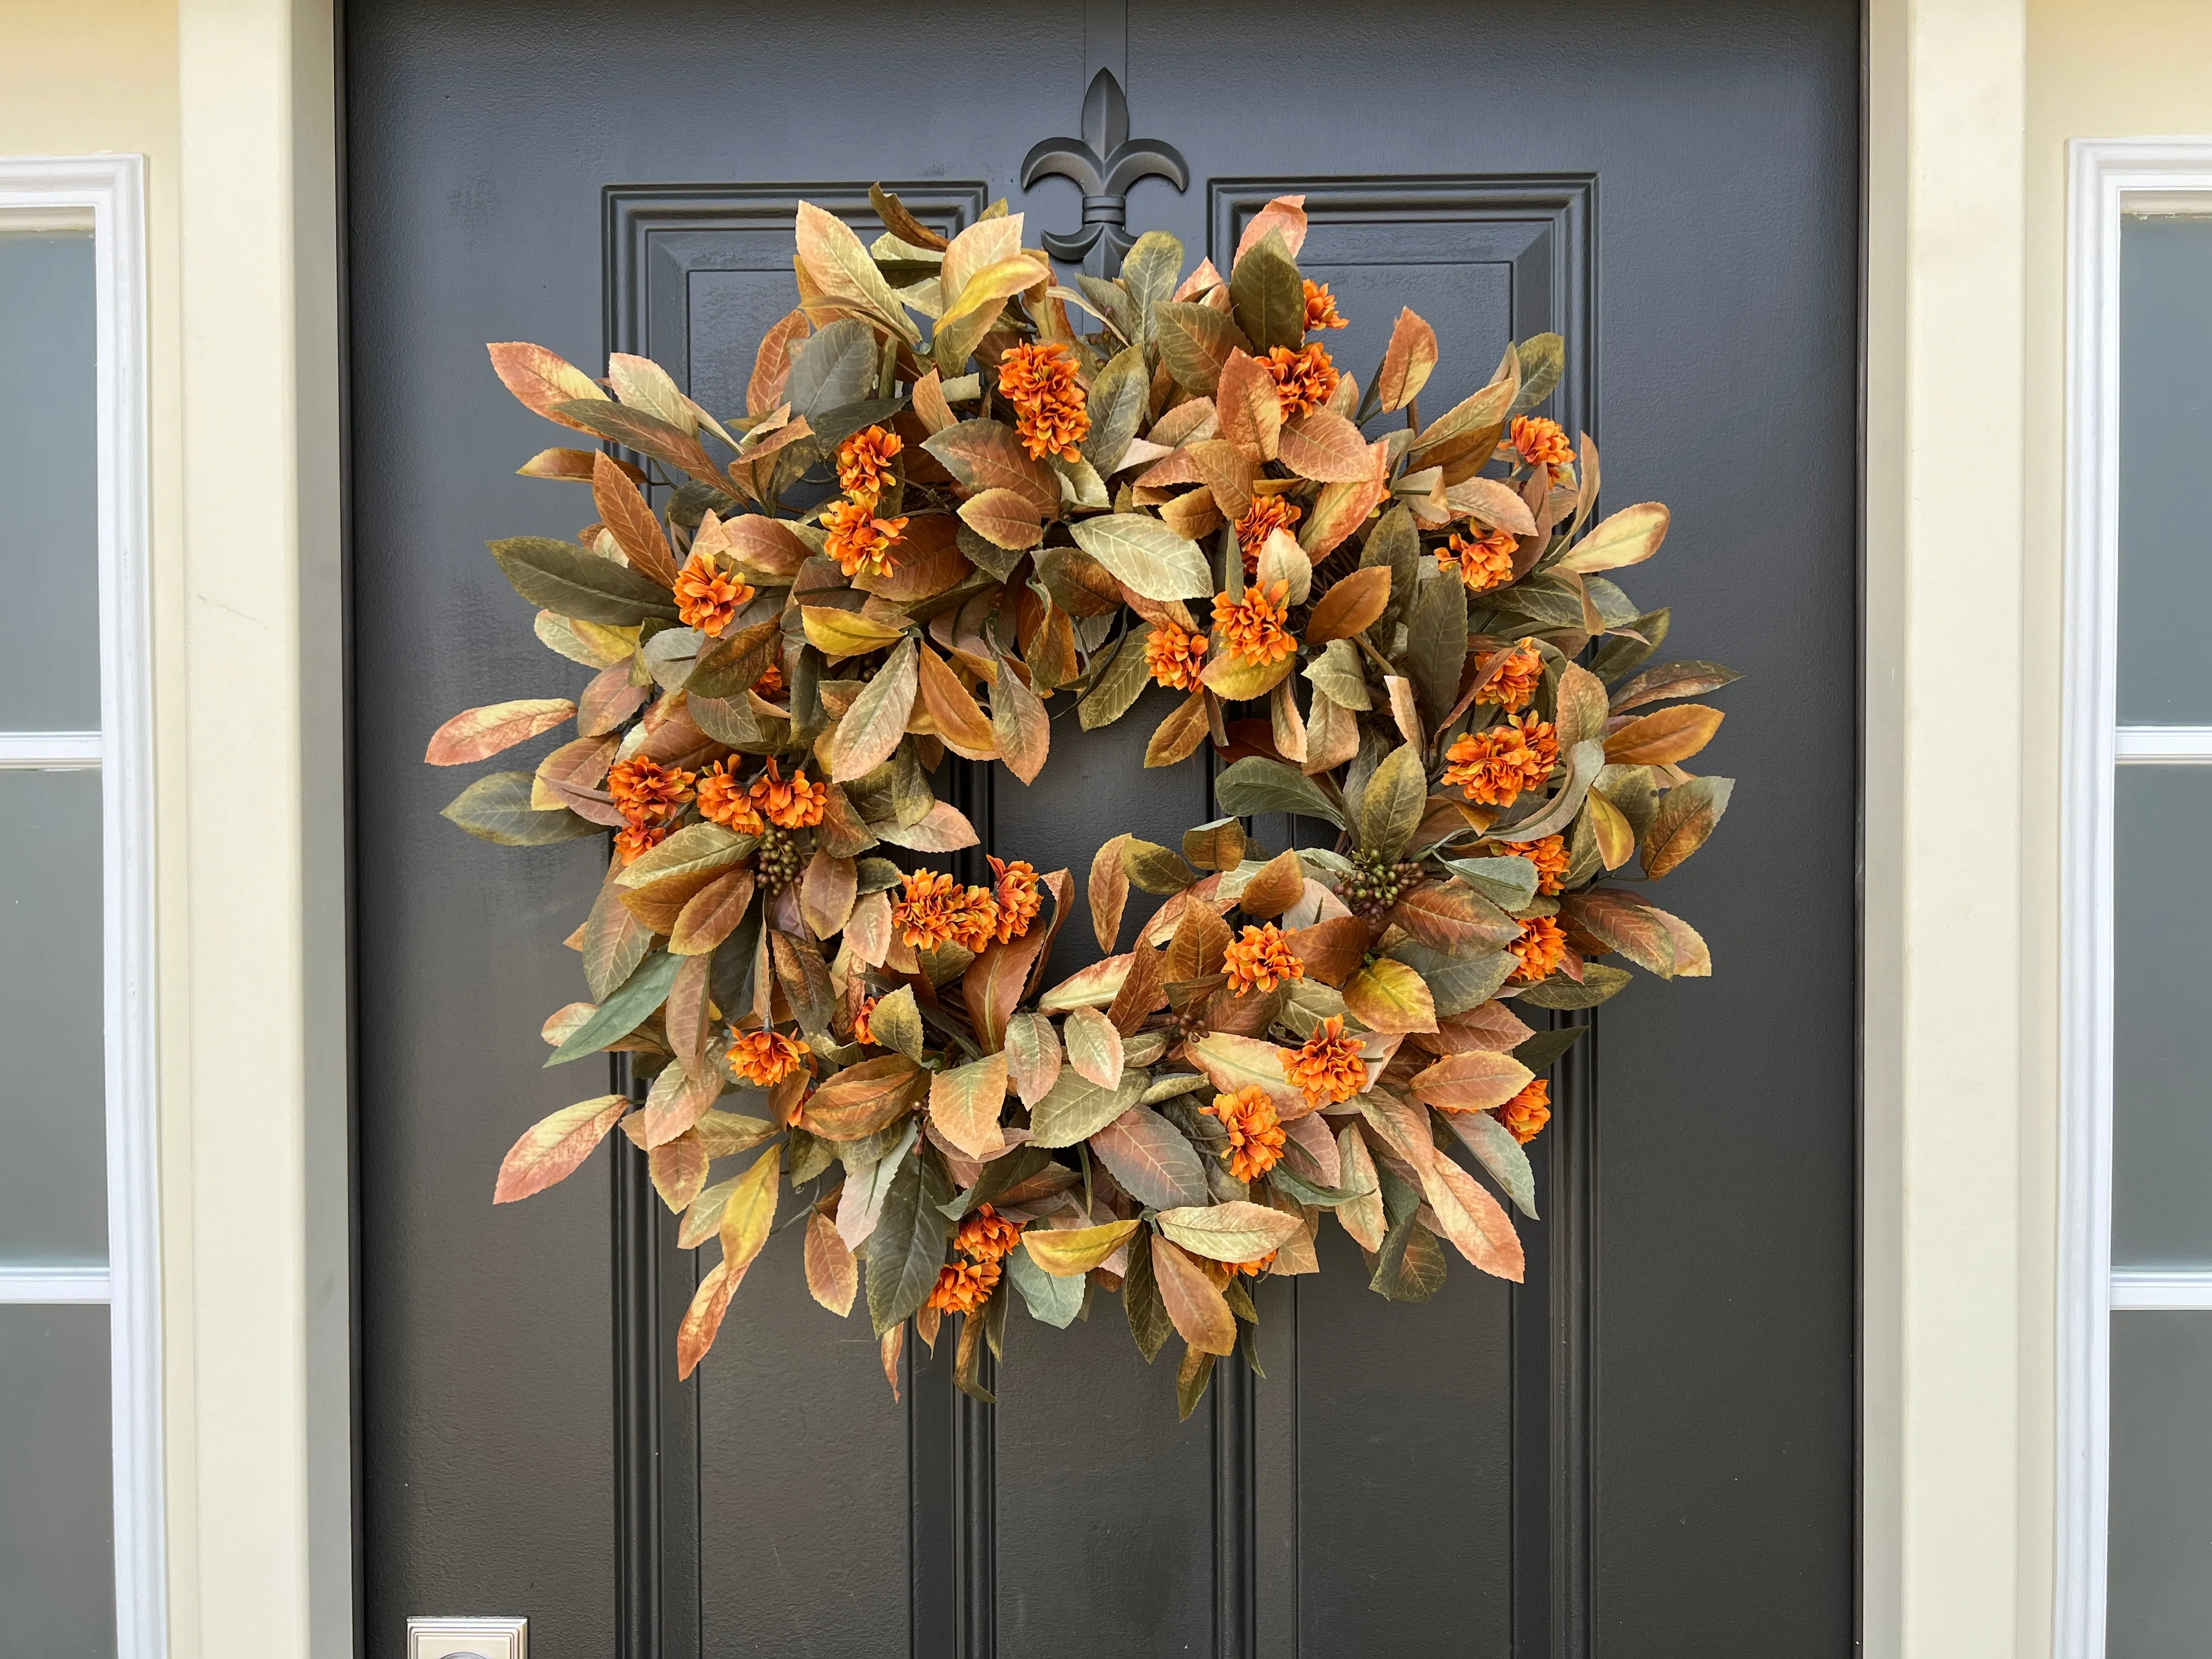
(1094, 1047)
(963, 724)
(1331, 949)
(623, 509)
(1472, 1082)
(1200, 1314)
(893, 1343)
(826, 893)
(1250, 409)
(1664, 735)
(478, 733)
(1389, 996)
(1686, 815)
(994, 983)
(678, 1169)
(1180, 734)
(1448, 917)
(1406, 362)
(762, 546)
(965, 1104)
(1201, 939)
(1019, 724)
(703, 1318)
(1226, 470)
(872, 726)
(1285, 215)
(1003, 518)
(1278, 885)
(1626, 923)
(1144, 991)
(1110, 893)
(551, 1148)
(608, 701)
(540, 381)
(1151, 1160)
(712, 914)
(1350, 605)
(1322, 445)
(772, 362)
(986, 455)
(864, 1098)
(832, 1275)
(929, 404)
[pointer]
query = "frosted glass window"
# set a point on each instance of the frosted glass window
(57, 1530)
(2160, 1601)
(49, 538)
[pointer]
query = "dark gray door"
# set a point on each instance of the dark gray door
(1648, 1450)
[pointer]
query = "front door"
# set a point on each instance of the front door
(1648, 1449)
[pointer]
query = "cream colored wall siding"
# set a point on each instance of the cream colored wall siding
(2096, 69)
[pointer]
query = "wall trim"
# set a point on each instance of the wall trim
(2107, 177)
(52, 190)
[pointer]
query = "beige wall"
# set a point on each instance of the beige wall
(2096, 69)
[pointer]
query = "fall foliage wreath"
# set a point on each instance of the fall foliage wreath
(915, 545)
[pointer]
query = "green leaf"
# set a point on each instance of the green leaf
(1119, 684)
(837, 366)
(1599, 981)
(1302, 1191)
(728, 667)
(1584, 762)
(1509, 882)
(1436, 643)
(1267, 296)
(1120, 397)
(1543, 360)
(1457, 981)
(897, 1023)
(1540, 1050)
(1239, 1231)
(872, 726)
(1151, 1160)
(1000, 1174)
(1146, 556)
(1256, 784)
(1391, 806)
(1151, 268)
(691, 850)
(1502, 1156)
(1050, 1299)
(1336, 672)
(497, 808)
(1195, 340)
(1140, 1299)
(565, 579)
(1075, 1108)
(908, 1244)
(1152, 866)
(621, 1013)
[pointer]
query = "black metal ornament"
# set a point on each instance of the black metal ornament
(1104, 163)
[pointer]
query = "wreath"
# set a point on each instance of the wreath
(915, 546)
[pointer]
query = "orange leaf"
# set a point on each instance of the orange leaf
(539, 379)
(1407, 360)
(479, 732)
(864, 1098)
(1331, 949)
(1142, 992)
(994, 983)
(623, 509)
(1110, 893)
(712, 914)
(832, 1275)
(1195, 1308)
(1322, 445)
(1666, 734)
(772, 362)
(1350, 605)
(965, 1103)
(574, 465)
(960, 722)
(1279, 885)
(1019, 723)
(1251, 409)
(1286, 214)
(703, 1318)
(552, 1147)
(1180, 734)
(1473, 1081)
(1003, 518)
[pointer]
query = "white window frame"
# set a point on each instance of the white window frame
(106, 193)
(2110, 179)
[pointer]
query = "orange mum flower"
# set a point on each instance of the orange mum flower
(1258, 1265)
(1539, 442)
(1329, 1066)
(707, 596)
(1527, 1112)
(1482, 564)
(1015, 888)
(927, 914)
(1267, 514)
(1261, 959)
(1549, 856)
(864, 463)
(770, 683)
(1494, 766)
(860, 542)
(1320, 308)
(1514, 686)
(1541, 947)
(975, 916)
(962, 1287)
(860, 1031)
(765, 1059)
(1304, 379)
(723, 800)
(646, 792)
(797, 805)
(1255, 1134)
(1175, 659)
(632, 838)
(1252, 627)
(1049, 404)
(986, 1235)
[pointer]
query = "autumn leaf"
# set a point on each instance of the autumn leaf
(1350, 606)
(1407, 361)
(1665, 735)
(1389, 996)
(540, 381)
(479, 733)
(832, 1274)
(554, 1146)
(1201, 1318)
(1094, 1047)
(965, 1103)
(1066, 1252)
(1235, 1231)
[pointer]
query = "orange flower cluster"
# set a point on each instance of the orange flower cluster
(936, 910)
(770, 683)
(1051, 407)
(1527, 1112)
(649, 796)
(723, 800)
(1548, 854)
(1258, 1265)
(965, 1283)
(861, 543)
(1260, 960)
(1256, 1134)
(1267, 514)
(1539, 442)
(1495, 765)
(864, 465)
(1514, 686)
(1252, 628)
(1320, 308)
(1541, 947)
(1014, 888)
(1329, 1065)
(1304, 379)
(860, 1031)
(765, 1059)
(1482, 564)
(708, 597)
(1175, 659)
(797, 805)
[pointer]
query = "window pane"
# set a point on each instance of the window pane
(2160, 1596)
(49, 540)
(53, 1188)
(2162, 1037)
(57, 1535)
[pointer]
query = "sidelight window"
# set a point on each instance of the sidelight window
(80, 1487)
(2136, 1579)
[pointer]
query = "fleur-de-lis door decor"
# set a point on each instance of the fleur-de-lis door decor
(1103, 163)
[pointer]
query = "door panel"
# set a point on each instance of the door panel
(1659, 1422)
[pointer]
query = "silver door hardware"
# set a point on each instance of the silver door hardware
(468, 1639)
